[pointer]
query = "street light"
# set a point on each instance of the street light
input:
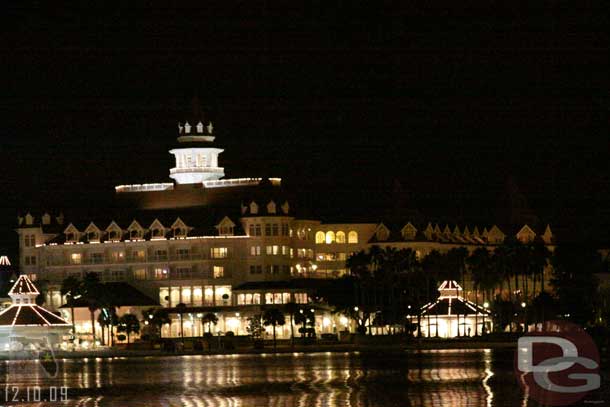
(485, 304)
(356, 309)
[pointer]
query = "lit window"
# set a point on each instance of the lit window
(340, 237)
(75, 258)
(352, 237)
(164, 296)
(300, 298)
(319, 237)
(186, 295)
(219, 252)
(161, 274)
(208, 295)
(255, 251)
(223, 295)
(197, 296)
(174, 295)
(330, 237)
(218, 271)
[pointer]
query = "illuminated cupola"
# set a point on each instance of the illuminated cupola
(196, 161)
(23, 291)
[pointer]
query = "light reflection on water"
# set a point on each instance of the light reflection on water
(425, 378)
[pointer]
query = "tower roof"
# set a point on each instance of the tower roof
(23, 286)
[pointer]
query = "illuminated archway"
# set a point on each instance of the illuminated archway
(319, 237)
(352, 237)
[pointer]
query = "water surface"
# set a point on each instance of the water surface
(427, 378)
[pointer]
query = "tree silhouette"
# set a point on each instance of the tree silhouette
(273, 317)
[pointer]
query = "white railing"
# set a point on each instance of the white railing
(177, 170)
(144, 187)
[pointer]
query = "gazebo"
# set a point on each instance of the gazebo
(451, 315)
(25, 323)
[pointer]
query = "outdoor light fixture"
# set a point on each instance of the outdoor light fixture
(485, 304)
(523, 305)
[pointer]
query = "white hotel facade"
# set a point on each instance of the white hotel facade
(228, 246)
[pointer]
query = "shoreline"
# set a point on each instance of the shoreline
(283, 349)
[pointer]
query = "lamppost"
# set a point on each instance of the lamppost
(486, 306)
(524, 306)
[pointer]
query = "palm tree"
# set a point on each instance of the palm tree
(209, 319)
(71, 288)
(129, 324)
(539, 260)
(157, 317)
(481, 270)
(108, 318)
(92, 290)
(273, 317)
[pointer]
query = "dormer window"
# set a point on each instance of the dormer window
(271, 208)
(253, 208)
(135, 231)
(409, 232)
(93, 236)
(226, 227)
(226, 230)
(70, 237)
(179, 229)
(157, 230)
(382, 233)
(113, 235)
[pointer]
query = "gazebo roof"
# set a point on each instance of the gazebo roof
(30, 315)
(451, 302)
(24, 311)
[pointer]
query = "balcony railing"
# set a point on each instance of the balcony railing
(195, 169)
(124, 260)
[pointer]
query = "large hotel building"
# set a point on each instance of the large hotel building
(228, 246)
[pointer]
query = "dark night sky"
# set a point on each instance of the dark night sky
(450, 102)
